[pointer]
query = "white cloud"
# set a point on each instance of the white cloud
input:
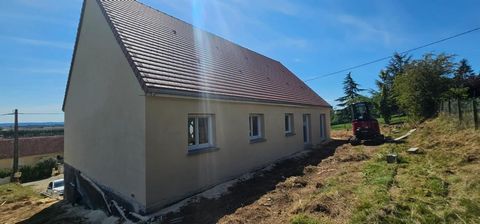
(37, 70)
(284, 42)
(364, 30)
(289, 8)
(37, 19)
(38, 42)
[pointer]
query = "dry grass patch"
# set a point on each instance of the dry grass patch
(441, 185)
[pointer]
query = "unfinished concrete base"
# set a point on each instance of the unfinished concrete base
(80, 189)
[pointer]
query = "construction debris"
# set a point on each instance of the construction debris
(392, 158)
(413, 150)
(405, 135)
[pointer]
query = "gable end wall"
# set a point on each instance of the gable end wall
(105, 111)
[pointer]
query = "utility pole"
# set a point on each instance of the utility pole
(15, 147)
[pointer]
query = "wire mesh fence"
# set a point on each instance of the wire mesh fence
(466, 112)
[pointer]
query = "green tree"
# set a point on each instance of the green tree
(419, 89)
(397, 65)
(351, 90)
(465, 82)
(474, 85)
(341, 116)
(383, 97)
(463, 72)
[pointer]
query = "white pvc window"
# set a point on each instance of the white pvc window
(288, 123)
(323, 127)
(199, 131)
(306, 129)
(256, 122)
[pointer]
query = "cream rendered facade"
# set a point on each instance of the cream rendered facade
(172, 172)
(135, 146)
(105, 112)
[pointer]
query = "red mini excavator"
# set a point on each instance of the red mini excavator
(365, 126)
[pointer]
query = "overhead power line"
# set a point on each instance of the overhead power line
(7, 114)
(388, 57)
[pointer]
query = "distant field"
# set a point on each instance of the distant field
(33, 124)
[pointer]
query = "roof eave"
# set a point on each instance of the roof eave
(200, 95)
(79, 28)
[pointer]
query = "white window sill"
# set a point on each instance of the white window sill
(199, 150)
(257, 140)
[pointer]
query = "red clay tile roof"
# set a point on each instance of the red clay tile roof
(32, 146)
(170, 56)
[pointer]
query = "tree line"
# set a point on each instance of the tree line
(31, 133)
(414, 87)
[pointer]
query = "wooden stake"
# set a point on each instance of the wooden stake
(475, 115)
(460, 117)
(449, 108)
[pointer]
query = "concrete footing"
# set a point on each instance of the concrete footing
(80, 189)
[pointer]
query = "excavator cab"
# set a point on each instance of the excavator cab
(365, 126)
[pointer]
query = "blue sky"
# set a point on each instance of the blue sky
(309, 37)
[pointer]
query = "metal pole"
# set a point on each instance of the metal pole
(442, 111)
(15, 146)
(460, 117)
(449, 108)
(475, 115)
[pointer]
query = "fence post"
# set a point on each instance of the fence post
(475, 115)
(460, 117)
(449, 108)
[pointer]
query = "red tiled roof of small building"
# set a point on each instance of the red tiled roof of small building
(32, 146)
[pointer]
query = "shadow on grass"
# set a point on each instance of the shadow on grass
(248, 191)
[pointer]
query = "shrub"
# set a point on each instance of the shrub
(39, 171)
(419, 89)
(5, 172)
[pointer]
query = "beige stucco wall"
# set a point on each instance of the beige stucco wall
(173, 174)
(28, 160)
(105, 112)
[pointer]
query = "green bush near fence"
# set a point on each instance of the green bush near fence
(5, 173)
(39, 171)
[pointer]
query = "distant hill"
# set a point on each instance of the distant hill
(33, 124)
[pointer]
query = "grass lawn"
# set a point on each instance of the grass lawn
(439, 185)
(15, 192)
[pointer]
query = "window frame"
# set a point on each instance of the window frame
(307, 129)
(260, 124)
(210, 132)
(323, 126)
(291, 123)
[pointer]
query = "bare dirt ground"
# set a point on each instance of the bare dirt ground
(25, 204)
(338, 183)
(21, 210)
(34, 210)
(270, 196)
(274, 196)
